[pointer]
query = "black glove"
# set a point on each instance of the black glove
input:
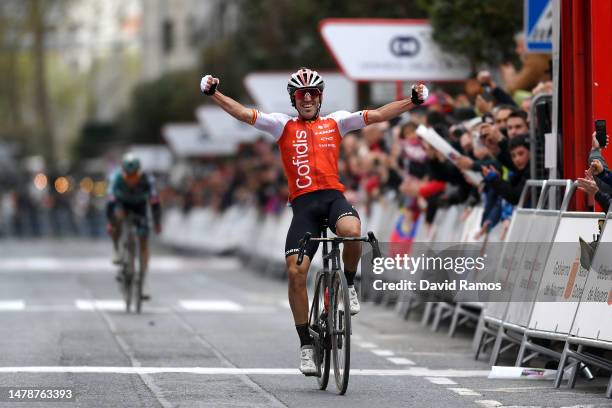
(212, 89)
(415, 97)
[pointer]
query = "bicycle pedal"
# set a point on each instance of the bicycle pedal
(311, 374)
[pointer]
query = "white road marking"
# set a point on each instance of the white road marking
(103, 264)
(91, 307)
(573, 406)
(108, 304)
(284, 304)
(11, 305)
(489, 403)
(440, 380)
(400, 361)
(211, 305)
(464, 391)
(516, 389)
(382, 353)
(366, 345)
(412, 372)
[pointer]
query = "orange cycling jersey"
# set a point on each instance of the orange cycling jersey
(310, 149)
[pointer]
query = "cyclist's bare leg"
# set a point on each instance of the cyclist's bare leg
(116, 231)
(350, 226)
(298, 296)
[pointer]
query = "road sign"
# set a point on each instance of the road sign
(538, 23)
(269, 90)
(390, 50)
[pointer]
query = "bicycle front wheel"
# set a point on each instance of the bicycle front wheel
(341, 331)
(317, 323)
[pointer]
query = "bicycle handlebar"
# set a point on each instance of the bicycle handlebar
(371, 239)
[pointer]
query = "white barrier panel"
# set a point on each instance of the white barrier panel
(388, 218)
(471, 225)
(445, 224)
(376, 215)
(173, 220)
(563, 278)
(527, 276)
(199, 225)
(495, 235)
(510, 257)
(247, 228)
(424, 231)
(594, 315)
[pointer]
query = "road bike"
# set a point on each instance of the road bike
(132, 266)
(329, 320)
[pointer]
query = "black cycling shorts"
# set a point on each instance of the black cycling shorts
(309, 212)
(140, 210)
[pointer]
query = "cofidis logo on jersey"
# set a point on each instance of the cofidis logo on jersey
(301, 160)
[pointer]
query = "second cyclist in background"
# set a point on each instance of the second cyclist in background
(130, 190)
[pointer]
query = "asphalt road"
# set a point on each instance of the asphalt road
(219, 335)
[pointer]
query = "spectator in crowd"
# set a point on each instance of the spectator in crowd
(597, 180)
(511, 190)
(501, 114)
(516, 124)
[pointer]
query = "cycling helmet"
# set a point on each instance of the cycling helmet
(130, 163)
(304, 78)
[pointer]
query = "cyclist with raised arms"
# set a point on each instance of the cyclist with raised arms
(130, 190)
(309, 145)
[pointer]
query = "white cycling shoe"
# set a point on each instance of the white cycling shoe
(353, 300)
(307, 360)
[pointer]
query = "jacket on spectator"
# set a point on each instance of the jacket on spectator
(511, 190)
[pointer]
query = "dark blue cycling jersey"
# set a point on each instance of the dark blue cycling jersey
(144, 189)
(132, 197)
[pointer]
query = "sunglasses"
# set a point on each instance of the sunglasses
(313, 92)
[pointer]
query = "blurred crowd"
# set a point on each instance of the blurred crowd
(485, 123)
(28, 212)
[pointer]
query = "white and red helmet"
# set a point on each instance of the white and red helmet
(304, 78)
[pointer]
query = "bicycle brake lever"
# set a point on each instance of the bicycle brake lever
(303, 243)
(375, 248)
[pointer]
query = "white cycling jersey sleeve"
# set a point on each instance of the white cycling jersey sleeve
(348, 121)
(271, 123)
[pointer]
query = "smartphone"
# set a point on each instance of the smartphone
(600, 133)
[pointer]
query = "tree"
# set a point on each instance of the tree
(482, 31)
(171, 98)
(38, 11)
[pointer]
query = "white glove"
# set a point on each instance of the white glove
(420, 93)
(207, 83)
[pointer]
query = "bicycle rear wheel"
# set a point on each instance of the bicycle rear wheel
(139, 279)
(341, 331)
(127, 272)
(126, 286)
(317, 323)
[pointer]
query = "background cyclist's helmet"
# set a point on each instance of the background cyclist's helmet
(130, 163)
(304, 78)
